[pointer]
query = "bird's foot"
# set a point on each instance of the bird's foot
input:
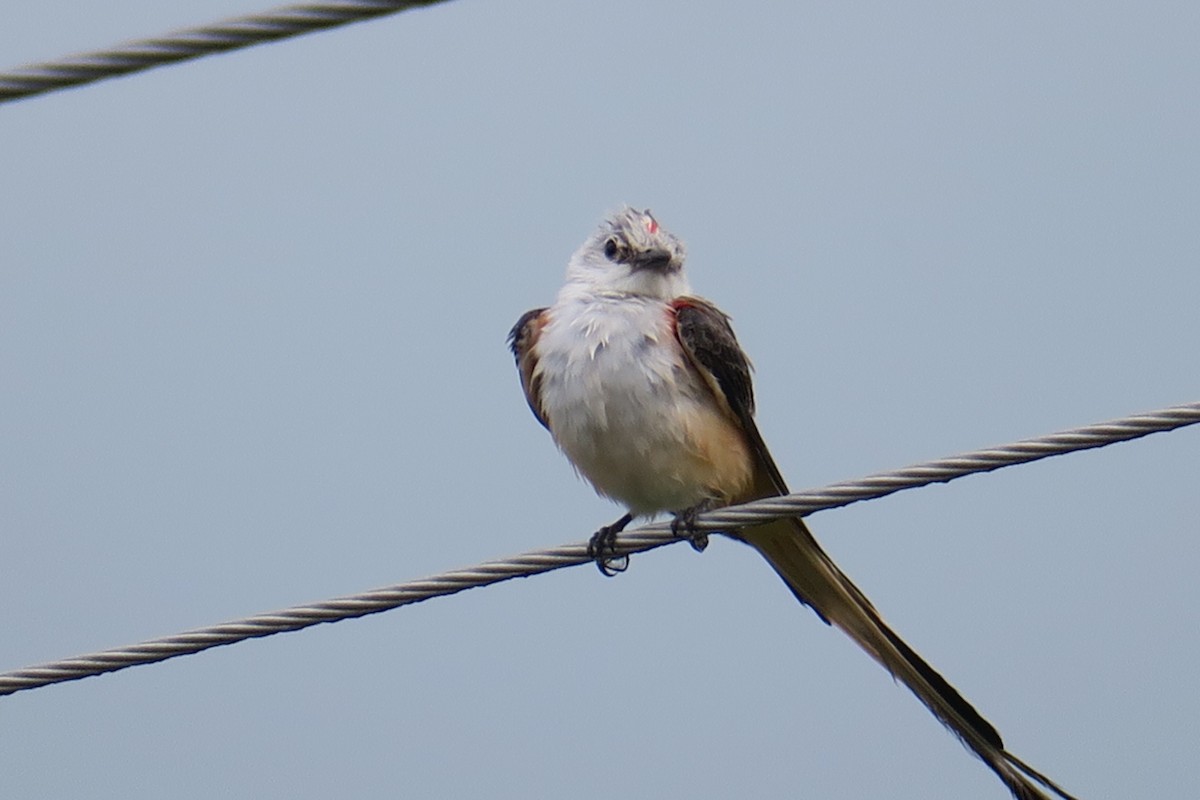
(684, 525)
(602, 548)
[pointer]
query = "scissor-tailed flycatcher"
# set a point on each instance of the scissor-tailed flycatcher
(645, 389)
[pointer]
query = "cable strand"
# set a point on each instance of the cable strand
(637, 540)
(188, 43)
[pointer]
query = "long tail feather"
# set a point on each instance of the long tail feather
(817, 582)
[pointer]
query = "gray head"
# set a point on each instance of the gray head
(630, 253)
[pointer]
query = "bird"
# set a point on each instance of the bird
(644, 388)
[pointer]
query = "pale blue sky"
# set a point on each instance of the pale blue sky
(252, 320)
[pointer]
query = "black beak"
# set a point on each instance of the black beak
(655, 258)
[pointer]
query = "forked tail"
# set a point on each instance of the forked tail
(817, 582)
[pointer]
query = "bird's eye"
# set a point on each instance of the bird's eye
(611, 248)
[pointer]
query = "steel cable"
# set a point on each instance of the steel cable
(634, 541)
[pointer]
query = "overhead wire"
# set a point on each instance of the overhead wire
(633, 541)
(218, 37)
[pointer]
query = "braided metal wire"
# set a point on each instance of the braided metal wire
(634, 541)
(229, 34)
(943, 470)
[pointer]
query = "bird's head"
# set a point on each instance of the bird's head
(630, 253)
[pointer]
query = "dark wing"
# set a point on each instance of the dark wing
(521, 339)
(707, 338)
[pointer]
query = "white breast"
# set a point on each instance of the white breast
(626, 408)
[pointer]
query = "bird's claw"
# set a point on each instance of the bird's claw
(684, 526)
(602, 548)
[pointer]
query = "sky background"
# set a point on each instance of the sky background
(252, 322)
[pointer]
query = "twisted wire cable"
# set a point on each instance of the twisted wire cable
(943, 470)
(181, 45)
(635, 541)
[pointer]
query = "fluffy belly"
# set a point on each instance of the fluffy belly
(671, 462)
(637, 421)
